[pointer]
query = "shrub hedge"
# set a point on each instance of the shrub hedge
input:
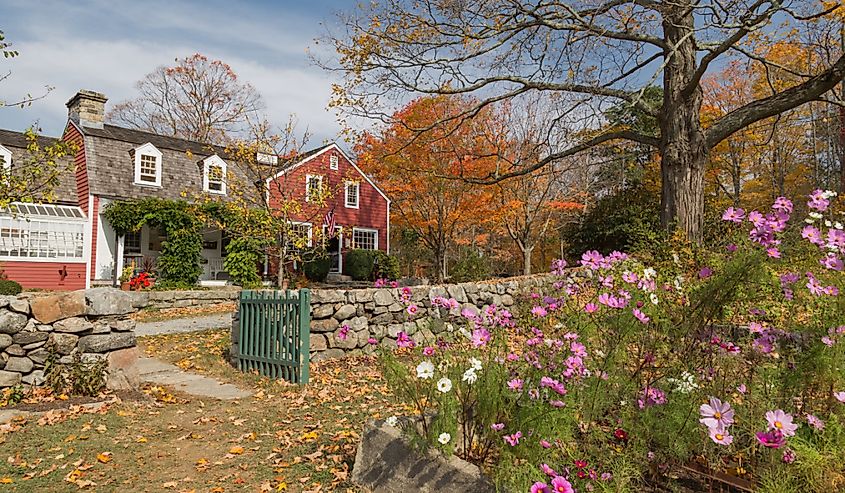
(9, 287)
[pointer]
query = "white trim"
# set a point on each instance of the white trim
(346, 186)
(147, 150)
(214, 160)
(334, 162)
(6, 154)
(387, 236)
(366, 230)
(321, 151)
(87, 247)
(339, 230)
(308, 180)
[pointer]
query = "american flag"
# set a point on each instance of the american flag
(329, 222)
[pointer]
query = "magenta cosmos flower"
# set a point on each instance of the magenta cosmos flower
(642, 317)
(540, 487)
(591, 308)
(720, 436)
(561, 485)
(771, 439)
(782, 422)
(412, 309)
(716, 414)
(480, 337)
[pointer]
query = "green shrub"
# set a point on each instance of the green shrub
(179, 263)
(386, 266)
(8, 287)
(242, 258)
(470, 266)
(316, 265)
(358, 264)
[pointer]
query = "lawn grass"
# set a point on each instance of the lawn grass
(285, 438)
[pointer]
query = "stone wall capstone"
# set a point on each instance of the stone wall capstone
(94, 323)
(378, 314)
(185, 298)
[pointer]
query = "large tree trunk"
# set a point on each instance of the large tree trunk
(683, 149)
(526, 260)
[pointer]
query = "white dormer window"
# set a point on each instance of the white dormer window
(147, 165)
(5, 161)
(313, 186)
(214, 175)
(333, 161)
(352, 194)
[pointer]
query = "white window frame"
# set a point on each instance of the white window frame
(43, 233)
(6, 154)
(357, 203)
(265, 158)
(365, 230)
(310, 230)
(308, 180)
(333, 162)
(147, 150)
(207, 163)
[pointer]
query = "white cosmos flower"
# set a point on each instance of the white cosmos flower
(649, 273)
(809, 220)
(444, 385)
(425, 370)
(444, 438)
(392, 421)
(470, 376)
(837, 225)
(828, 223)
(475, 363)
(450, 327)
(654, 299)
(465, 333)
(815, 215)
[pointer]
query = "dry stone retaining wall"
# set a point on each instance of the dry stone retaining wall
(186, 298)
(94, 323)
(380, 314)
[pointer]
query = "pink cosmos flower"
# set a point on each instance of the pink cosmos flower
(783, 204)
(734, 215)
(591, 308)
(642, 317)
(731, 248)
(404, 341)
(782, 422)
(788, 456)
(716, 414)
(832, 262)
(429, 351)
(812, 234)
(548, 471)
(827, 341)
(561, 485)
(513, 440)
(773, 252)
(815, 422)
(480, 337)
(705, 272)
(497, 426)
(558, 267)
(540, 487)
(840, 396)
(539, 311)
(772, 439)
(651, 396)
(742, 389)
(343, 333)
(372, 341)
(592, 260)
(412, 309)
(516, 384)
(720, 436)
(818, 201)
(545, 444)
(578, 349)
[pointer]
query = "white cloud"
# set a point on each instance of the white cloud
(64, 46)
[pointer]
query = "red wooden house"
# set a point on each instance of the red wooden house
(80, 248)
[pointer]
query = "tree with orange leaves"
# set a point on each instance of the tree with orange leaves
(420, 172)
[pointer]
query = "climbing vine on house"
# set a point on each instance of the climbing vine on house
(179, 221)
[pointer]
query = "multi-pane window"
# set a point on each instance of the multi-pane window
(42, 236)
(313, 186)
(299, 236)
(352, 194)
(333, 161)
(132, 242)
(149, 169)
(215, 178)
(366, 239)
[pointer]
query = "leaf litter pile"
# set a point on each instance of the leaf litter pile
(284, 438)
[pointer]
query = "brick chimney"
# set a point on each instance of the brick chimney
(87, 108)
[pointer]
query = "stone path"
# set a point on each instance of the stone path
(160, 373)
(187, 324)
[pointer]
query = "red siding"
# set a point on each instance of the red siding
(46, 275)
(95, 218)
(72, 135)
(372, 207)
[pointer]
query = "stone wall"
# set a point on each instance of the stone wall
(94, 323)
(380, 314)
(181, 299)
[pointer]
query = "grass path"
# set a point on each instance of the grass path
(284, 438)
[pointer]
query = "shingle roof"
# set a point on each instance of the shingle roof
(16, 142)
(160, 141)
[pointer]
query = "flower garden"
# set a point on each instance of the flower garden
(722, 364)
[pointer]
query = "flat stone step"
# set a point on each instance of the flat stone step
(158, 372)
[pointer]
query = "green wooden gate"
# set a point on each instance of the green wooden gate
(274, 333)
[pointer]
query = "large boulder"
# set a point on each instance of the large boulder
(108, 301)
(322, 311)
(103, 343)
(19, 364)
(326, 325)
(123, 373)
(345, 312)
(388, 464)
(24, 338)
(63, 343)
(11, 322)
(48, 309)
(383, 297)
(9, 378)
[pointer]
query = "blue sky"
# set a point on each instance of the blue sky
(107, 45)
